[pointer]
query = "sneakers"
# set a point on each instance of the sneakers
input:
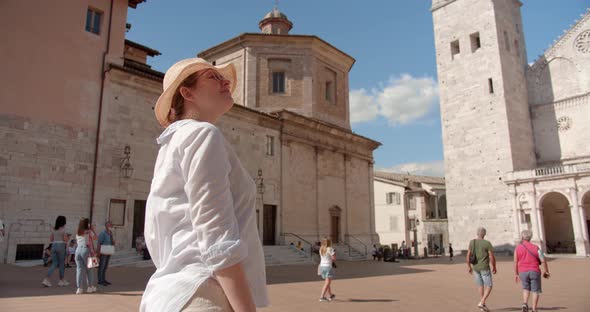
(63, 283)
(525, 307)
(46, 282)
(79, 291)
(324, 299)
(332, 296)
(91, 289)
(483, 307)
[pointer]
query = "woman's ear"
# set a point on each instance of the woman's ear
(186, 93)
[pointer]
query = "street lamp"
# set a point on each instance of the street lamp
(125, 167)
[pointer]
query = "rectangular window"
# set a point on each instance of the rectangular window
(412, 224)
(278, 82)
(117, 212)
(388, 199)
(516, 47)
(518, 29)
(329, 91)
(491, 85)
(455, 49)
(29, 252)
(93, 21)
(270, 148)
(506, 41)
(475, 41)
(393, 198)
(412, 203)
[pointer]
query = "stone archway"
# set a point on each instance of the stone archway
(557, 221)
(335, 213)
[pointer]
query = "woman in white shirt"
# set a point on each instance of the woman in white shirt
(326, 270)
(200, 217)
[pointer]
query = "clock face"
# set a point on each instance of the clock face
(564, 123)
(582, 42)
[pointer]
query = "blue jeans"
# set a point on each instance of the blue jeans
(58, 257)
(82, 269)
(483, 278)
(102, 268)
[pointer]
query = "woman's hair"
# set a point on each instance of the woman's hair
(326, 242)
(526, 235)
(59, 222)
(177, 105)
(83, 226)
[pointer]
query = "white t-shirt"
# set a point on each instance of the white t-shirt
(200, 217)
(327, 257)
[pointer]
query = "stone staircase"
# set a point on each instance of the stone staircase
(342, 252)
(128, 258)
(281, 255)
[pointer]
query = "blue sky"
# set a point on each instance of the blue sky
(391, 40)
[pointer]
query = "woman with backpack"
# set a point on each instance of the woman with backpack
(527, 259)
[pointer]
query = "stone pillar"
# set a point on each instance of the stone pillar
(516, 223)
(576, 222)
(346, 159)
(436, 215)
(372, 205)
(537, 220)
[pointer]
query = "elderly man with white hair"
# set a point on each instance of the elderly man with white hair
(480, 257)
(527, 259)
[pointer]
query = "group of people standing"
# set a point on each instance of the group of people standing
(481, 263)
(92, 251)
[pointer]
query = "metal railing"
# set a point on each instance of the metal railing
(358, 241)
(299, 238)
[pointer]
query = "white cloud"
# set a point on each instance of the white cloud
(433, 168)
(362, 106)
(401, 100)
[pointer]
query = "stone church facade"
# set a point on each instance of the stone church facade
(516, 135)
(77, 129)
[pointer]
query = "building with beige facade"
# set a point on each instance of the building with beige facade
(77, 128)
(411, 209)
(515, 133)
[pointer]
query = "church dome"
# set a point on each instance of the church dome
(275, 13)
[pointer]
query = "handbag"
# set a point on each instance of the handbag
(107, 250)
(473, 257)
(92, 262)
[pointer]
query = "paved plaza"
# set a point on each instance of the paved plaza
(422, 285)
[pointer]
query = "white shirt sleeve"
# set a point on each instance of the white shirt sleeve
(205, 167)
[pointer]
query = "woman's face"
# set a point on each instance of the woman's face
(210, 96)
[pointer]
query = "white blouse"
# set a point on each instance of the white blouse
(200, 217)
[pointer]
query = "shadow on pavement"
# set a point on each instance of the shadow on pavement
(346, 270)
(539, 309)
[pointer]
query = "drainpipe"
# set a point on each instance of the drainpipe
(100, 103)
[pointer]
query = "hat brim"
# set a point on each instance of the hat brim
(164, 103)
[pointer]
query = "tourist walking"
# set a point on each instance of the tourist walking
(200, 217)
(527, 259)
(85, 257)
(106, 248)
(482, 264)
(326, 269)
(58, 239)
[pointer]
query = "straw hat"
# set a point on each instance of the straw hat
(178, 73)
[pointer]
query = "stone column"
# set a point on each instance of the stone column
(576, 222)
(346, 159)
(436, 215)
(536, 220)
(372, 204)
(515, 219)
